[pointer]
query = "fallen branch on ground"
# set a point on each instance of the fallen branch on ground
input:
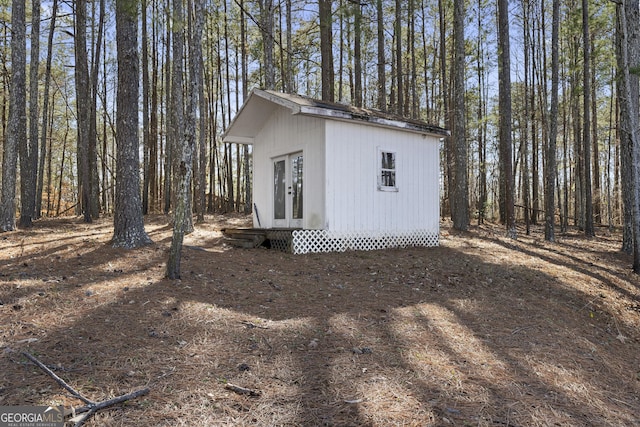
(241, 390)
(91, 406)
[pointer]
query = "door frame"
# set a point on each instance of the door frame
(286, 187)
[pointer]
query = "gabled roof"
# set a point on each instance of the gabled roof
(259, 107)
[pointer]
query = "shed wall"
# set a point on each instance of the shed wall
(284, 134)
(354, 202)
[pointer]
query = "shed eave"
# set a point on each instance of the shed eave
(279, 100)
(234, 139)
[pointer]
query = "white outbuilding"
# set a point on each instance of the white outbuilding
(332, 177)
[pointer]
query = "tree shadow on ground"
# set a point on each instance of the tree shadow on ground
(418, 336)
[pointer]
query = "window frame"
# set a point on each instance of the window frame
(381, 170)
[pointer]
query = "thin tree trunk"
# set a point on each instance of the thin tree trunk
(504, 100)
(202, 140)
(169, 129)
(482, 126)
(382, 79)
(83, 99)
(460, 207)
(195, 101)
(586, 130)
(525, 122)
(48, 125)
(357, 54)
(153, 123)
(45, 111)
(64, 152)
(551, 168)
(597, 185)
(182, 174)
(288, 79)
(448, 168)
(399, 58)
(92, 152)
(146, 128)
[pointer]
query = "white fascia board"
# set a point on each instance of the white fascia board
(238, 139)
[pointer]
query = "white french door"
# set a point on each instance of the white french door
(288, 190)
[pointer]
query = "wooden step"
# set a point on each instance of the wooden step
(244, 238)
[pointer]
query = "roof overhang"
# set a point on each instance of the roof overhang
(261, 103)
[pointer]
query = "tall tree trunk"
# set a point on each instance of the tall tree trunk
(382, 79)
(415, 105)
(288, 78)
(146, 128)
(446, 96)
(629, 53)
(357, 54)
(107, 176)
(29, 148)
(170, 132)
(17, 124)
(565, 161)
(482, 123)
(153, 123)
(627, 101)
(45, 110)
(504, 101)
(83, 103)
(266, 26)
(326, 50)
(551, 169)
(62, 159)
(586, 130)
(460, 199)
(92, 151)
(196, 101)
(597, 185)
(47, 148)
(128, 224)
(528, 108)
(183, 151)
(399, 72)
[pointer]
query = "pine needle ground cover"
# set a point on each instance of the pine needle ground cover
(481, 331)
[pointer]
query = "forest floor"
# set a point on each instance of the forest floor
(480, 331)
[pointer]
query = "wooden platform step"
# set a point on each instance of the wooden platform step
(273, 238)
(244, 237)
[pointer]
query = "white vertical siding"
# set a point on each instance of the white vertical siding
(284, 134)
(341, 167)
(353, 200)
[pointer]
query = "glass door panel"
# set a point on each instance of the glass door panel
(279, 189)
(296, 186)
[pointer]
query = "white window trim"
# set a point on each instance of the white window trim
(379, 170)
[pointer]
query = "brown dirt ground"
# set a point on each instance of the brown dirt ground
(481, 331)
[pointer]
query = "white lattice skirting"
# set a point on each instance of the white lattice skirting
(313, 241)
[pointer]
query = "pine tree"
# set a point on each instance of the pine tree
(128, 220)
